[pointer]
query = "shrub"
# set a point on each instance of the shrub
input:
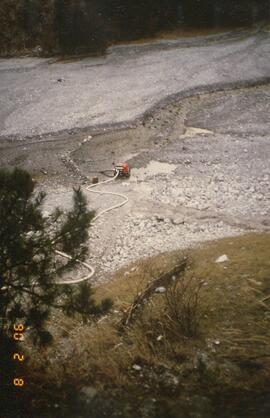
(183, 310)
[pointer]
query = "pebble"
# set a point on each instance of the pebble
(222, 259)
(178, 220)
(136, 367)
(160, 218)
(160, 289)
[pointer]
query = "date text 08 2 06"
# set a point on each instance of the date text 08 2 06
(18, 330)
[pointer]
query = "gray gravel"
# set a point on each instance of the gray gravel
(201, 175)
(122, 85)
(200, 164)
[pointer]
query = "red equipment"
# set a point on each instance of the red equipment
(123, 169)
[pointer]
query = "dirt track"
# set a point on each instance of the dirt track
(200, 164)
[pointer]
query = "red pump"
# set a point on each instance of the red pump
(123, 169)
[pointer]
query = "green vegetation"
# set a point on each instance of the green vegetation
(206, 339)
(29, 265)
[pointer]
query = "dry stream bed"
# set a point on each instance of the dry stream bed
(199, 171)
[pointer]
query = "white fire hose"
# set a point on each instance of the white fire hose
(118, 205)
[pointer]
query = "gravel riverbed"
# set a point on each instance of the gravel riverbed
(194, 128)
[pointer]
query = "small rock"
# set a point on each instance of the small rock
(178, 220)
(222, 259)
(159, 218)
(136, 367)
(160, 289)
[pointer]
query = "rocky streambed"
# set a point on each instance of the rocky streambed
(197, 174)
(199, 157)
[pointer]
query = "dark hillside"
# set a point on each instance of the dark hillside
(87, 26)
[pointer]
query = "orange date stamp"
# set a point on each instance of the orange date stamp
(18, 336)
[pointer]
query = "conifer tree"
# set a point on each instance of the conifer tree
(29, 268)
(29, 265)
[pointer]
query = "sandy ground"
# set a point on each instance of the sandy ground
(200, 164)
